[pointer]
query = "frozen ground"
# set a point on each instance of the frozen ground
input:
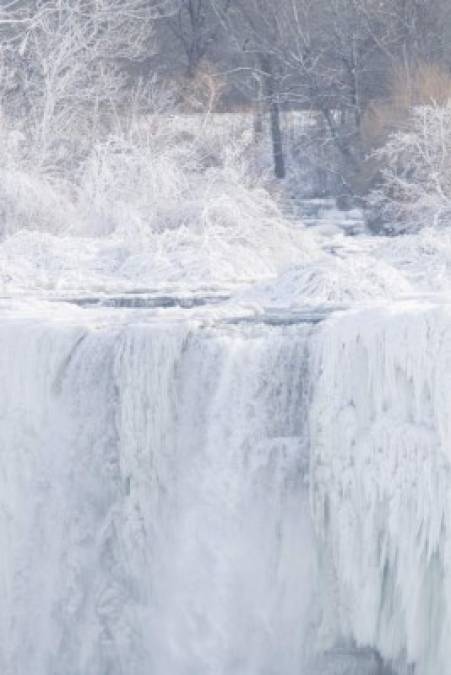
(226, 455)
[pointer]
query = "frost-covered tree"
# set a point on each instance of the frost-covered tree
(415, 188)
(325, 56)
(191, 31)
(65, 69)
(264, 35)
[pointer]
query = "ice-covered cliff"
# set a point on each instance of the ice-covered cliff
(381, 481)
(154, 513)
(185, 492)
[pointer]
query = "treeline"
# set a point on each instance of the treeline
(72, 68)
(358, 63)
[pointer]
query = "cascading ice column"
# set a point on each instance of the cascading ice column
(214, 455)
(153, 502)
(59, 491)
(381, 482)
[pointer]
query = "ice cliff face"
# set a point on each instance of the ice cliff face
(153, 502)
(381, 481)
(209, 498)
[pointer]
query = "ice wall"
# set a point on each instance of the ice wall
(155, 478)
(381, 482)
(153, 503)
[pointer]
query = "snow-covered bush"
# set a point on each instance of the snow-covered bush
(30, 198)
(415, 185)
(167, 178)
(186, 203)
(163, 203)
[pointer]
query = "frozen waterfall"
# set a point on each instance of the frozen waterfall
(381, 482)
(154, 507)
(198, 497)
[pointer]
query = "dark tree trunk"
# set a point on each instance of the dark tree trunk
(274, 113)
(258, 114)
(276, 135)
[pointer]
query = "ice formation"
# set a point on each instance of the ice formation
(189, 492)
(154, 505)
(381, 481)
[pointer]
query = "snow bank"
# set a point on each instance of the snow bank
(334, 280)
(425, 258)
(170, 259)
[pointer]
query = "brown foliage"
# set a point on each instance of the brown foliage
(200, 93)
(425, 85)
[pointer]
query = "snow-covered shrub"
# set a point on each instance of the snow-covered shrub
(30, 198)
(163, 203)
(162, 180)
(415, 184)
(186, 203)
